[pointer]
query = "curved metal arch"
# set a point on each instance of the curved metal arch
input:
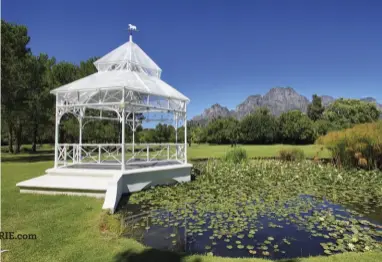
(64, 112)
(86, 122)
(117, 112)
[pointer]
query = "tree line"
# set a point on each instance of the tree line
(292, 127)
(28, 108)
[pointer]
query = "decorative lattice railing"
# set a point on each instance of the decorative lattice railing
(111, 154)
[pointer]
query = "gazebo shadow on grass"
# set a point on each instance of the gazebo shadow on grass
(290, 260)
(155, 255)
(151, 255)
(28, 158)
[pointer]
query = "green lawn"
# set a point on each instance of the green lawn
(68, 227)
(206, 151)
(194, 152)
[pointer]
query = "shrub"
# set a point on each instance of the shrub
(294, 154)
(236, 155)
(359, 146)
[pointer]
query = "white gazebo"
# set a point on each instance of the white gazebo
(127, 88)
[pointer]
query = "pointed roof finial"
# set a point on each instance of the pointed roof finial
(131, 29)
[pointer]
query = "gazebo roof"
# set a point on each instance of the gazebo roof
(126, 66)
(131, 52)
(135, 81)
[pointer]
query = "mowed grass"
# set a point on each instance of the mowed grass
(68, 227)
(196, 151)
(207, 151)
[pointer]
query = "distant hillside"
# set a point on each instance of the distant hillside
(277, 100)
(213, 112)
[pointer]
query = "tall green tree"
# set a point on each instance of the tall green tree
(164, 133)
(197, 135)
(344, 113)
(14, 82)
(181, 135)
(222, 131)
(296, 128)
(315, 109)
(64, 73)
(87, 67)
(147, 136)
(40, 101)
(232, 130)
(259, 127)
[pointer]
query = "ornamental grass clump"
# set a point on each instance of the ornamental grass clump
(359, 146)
(236, 155)
(294, 154)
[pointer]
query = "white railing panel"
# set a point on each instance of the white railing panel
(69, 154)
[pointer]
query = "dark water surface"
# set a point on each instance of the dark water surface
(274, 237)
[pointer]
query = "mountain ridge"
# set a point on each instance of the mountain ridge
(277, 100)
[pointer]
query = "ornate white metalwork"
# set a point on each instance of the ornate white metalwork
(111, 154)
(128, 83)
(111, 100)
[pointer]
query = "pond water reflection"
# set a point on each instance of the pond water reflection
(318, 227)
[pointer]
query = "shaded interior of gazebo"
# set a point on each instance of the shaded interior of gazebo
(128, 84)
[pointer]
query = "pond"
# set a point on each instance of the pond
(259, 223)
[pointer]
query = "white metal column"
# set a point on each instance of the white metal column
(176, 135)
(123, 132)
(185, 133)
(57, 125)
(80, 139)
(133, 147)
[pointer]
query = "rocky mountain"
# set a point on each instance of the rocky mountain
(249, 104)
(372, 100)
(277, 100)
(327, 100)
(213, 112)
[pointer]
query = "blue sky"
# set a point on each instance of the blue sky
(223, 51)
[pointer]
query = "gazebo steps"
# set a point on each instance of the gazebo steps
(101, 183)
(67, 185)
(81, 172)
